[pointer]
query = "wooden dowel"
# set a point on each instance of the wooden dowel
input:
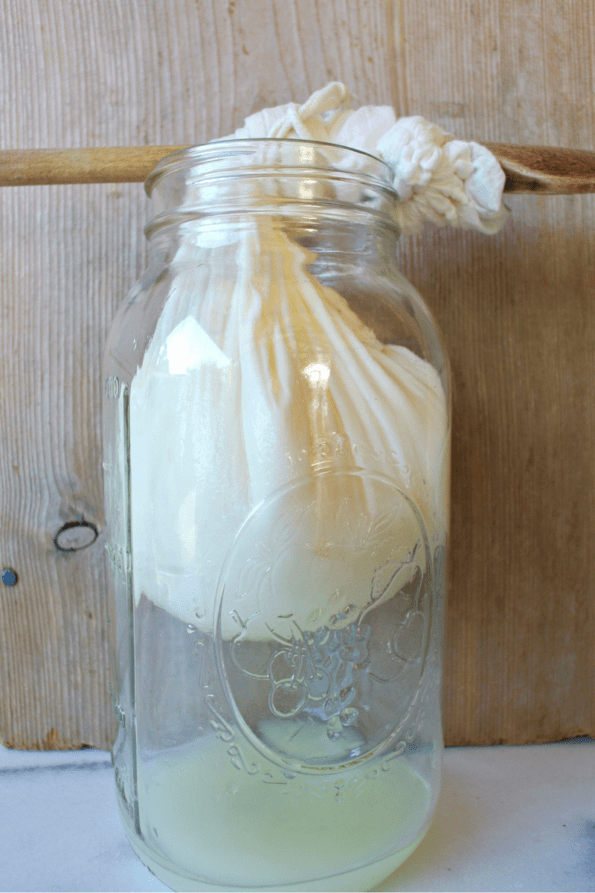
(529, 169)
(46, 167)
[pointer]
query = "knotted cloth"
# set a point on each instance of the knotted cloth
(437, 177)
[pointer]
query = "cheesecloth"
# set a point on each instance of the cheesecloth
(248, 379)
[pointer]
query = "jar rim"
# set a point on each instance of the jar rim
(377, 172)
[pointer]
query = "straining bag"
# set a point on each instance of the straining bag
(248, 377)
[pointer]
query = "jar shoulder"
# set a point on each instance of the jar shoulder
(135, 321)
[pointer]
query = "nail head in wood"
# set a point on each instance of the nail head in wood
(9, 576)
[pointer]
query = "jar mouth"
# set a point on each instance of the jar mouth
(270, 156)
(228, 179)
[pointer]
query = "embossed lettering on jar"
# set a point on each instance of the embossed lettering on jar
(276, 471)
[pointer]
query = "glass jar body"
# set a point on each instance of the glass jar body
(276, 471)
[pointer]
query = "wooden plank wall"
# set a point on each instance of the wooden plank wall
(517, 311)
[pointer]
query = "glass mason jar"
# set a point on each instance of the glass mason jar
(276, 476)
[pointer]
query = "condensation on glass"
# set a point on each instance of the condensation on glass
(276, 417)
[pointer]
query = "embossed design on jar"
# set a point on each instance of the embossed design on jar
(324, 620)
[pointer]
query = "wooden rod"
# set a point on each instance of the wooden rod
(528, 169)
(46, 167)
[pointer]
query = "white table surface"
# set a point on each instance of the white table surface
(509, 818)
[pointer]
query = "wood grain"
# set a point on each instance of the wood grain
(518, 315)
(517, 312)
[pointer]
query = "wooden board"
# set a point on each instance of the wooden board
(517, 311)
